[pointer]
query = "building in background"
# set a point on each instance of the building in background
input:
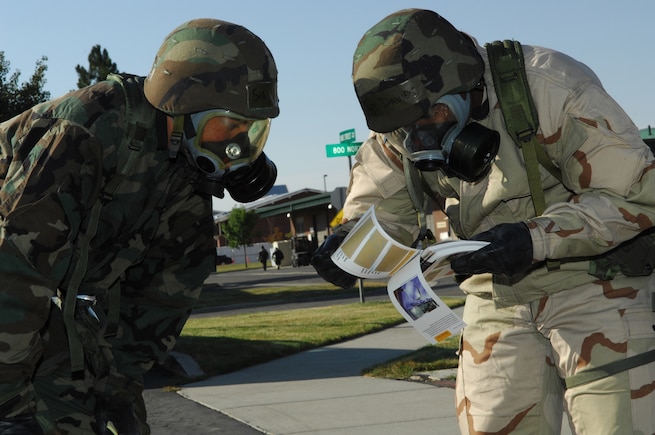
(303, 219)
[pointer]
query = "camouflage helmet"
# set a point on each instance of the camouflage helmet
(210, 64)
(406, 62)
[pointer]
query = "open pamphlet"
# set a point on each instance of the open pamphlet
(369, 252)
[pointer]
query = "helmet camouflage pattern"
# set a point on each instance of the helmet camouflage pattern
(406, 62)
(211, 64)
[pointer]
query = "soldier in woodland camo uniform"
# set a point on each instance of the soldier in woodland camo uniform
(106, 231)
(532, 334)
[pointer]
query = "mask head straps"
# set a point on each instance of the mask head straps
(175, 141)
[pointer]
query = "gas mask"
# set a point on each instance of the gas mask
(443, 139)
(227, 149)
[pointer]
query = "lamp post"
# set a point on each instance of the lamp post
(292, 227)
(327, 219)
(324, 184)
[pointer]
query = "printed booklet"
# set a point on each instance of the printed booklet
(369, 252)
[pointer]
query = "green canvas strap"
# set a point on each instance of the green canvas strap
(609, 369)
(415, 190)
(70, 301)
(521, 119)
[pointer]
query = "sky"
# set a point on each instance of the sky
(313, 43)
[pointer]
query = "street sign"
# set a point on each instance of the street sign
(342, 149)
(347, 136)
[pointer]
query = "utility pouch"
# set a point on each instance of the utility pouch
(635, 257)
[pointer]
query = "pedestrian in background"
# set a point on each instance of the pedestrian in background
(278, 256)
(263, 257)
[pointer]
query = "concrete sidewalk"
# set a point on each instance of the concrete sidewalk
(321, 391)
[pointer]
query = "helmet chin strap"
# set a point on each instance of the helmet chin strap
(175, 140)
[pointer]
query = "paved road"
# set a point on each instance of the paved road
(304, 275)
(299, 276)
(256, 276)
(171, 414)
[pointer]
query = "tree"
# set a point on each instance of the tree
(100, 66)
(275, 235)
(238, 228)
(15, 99)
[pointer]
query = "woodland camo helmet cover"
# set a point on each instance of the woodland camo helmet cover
(211, 64)
(406, 62)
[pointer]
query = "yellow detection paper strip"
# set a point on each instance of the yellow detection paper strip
(369, 252)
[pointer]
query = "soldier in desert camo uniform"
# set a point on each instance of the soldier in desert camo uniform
(578, 336)
(106, 231)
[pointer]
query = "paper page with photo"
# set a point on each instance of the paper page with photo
(414, 299)
(410, 290)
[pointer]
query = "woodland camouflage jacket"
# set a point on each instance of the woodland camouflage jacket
(154, 235)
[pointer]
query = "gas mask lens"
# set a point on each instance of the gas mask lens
(225, 141)
(428, 133)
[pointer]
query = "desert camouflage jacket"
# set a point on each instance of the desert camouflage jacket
(154, 236)
(607, 195)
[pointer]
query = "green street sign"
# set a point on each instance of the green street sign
(347, 136)
(342, 149)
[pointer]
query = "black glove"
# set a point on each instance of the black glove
(24, 425)
(325, 266)
(119, 412)
(508, 253)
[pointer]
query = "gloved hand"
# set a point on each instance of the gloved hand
(508, 253)
(24, 425)
(116, 416)
(325, 266)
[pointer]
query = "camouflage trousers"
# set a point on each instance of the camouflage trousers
(66, 404)
(513, 361)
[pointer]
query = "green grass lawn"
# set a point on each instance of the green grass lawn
(432, 357)
(226, 343)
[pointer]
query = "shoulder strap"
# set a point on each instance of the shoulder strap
(511, 83)
(139, 119)
(413, 180)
